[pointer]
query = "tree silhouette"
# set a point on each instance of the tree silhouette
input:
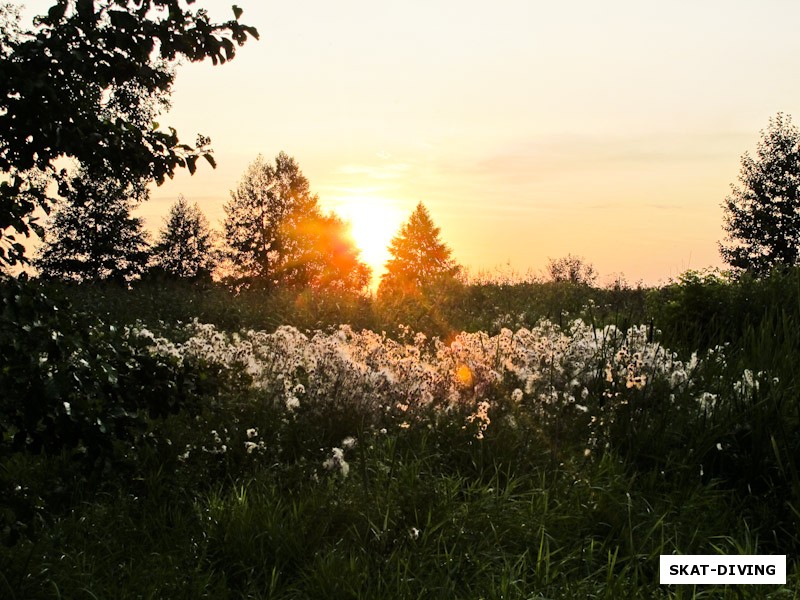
(323, 255)
(85, 83)
(762, 216)
(278, 235)
(418, 258)
(185, 247)
(92, 235)
(571, 269)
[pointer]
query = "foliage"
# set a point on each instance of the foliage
(324, 256)
(185, 247)
(571, 269)
(352, 465)
(92, 235)
(74, 383)
(279, 236)
(762, 216)
(705, 309)
(86, 83)
(418, 257)
(554, 460)
(422, 283)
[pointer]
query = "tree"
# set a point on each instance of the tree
(571, 269)
(92, 235)
(86, 83)
(278, 235)
(762, 215)
(185, 247)
(267, 203)
(324, 256)
(418, 258)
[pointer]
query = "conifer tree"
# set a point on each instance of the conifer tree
(266, 204)
(418, 258)
(92, 235)
(278, 235)
(185, 244)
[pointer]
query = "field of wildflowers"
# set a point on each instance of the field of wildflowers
(538, 458)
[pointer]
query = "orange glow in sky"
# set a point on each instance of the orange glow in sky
(373, 223)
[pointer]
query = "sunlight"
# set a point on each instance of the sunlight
(373, 223)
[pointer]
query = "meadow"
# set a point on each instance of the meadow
(497, 439)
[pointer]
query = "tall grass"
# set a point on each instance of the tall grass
(525, 510)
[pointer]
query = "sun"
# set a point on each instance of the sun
(373, 223)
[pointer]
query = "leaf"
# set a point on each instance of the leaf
(56, 13)
(237, 12)
(38, 229)
(230, 49)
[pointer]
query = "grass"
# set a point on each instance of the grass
(430, 511)
(415, 531)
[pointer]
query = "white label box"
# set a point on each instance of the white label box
(727, 570)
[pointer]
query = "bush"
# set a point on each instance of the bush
(72, 382)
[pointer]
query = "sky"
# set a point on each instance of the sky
(531, 130)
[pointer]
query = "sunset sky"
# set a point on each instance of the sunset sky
(611, 130)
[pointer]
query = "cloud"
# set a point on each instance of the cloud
(530, 160)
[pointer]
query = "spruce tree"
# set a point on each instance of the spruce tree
(185, 247)
(418, 258)
(92, 235)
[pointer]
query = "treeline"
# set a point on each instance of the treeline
(697, 312)
(275, 237)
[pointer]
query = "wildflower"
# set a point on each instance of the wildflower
(250, 446)
(337, 462)
(638, 381)
(482, 416)
(414, 533)
(517, 395)
(349, 443)
(251, 433)
(707, 400)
